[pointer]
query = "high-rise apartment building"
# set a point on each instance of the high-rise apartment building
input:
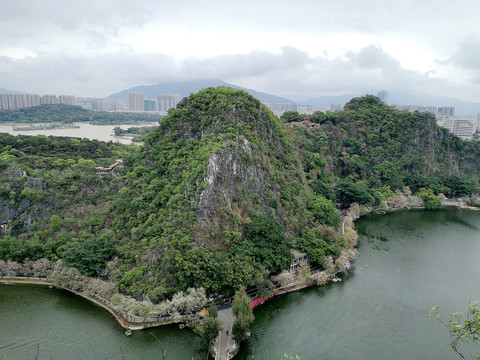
(463, 128)
(446, 111)
(66, 99)
(136, 101)
(149, 105)
(14, 101)
(336, 107)
(383, 95)
(49, 99)
(167, 101)
(304, 109)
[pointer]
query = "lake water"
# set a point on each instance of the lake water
(85, 130)
(409, 262)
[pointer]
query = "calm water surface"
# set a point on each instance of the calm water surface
(85, 130)
(68, 327)
(409, 262)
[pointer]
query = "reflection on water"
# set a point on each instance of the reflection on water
(379, 311)
(65, 326)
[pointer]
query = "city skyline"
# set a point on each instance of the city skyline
(294, 50)
(137, 102)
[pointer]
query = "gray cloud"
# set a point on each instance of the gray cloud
(291, 73)
(468, 54)
(372, 57)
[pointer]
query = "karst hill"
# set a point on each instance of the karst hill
(220, 192)
(216, 195)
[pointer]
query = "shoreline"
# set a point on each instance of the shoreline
(120, 318)
(401, 201)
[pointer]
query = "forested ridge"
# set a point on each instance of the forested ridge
(371, 150)
(70, 113)
(220, 191)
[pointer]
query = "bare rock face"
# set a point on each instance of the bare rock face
(37, 183)
(250, 165)
(229, 180)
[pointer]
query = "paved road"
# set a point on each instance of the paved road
(224, 340)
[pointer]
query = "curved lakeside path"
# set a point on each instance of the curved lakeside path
(20, 280)
(224, 346)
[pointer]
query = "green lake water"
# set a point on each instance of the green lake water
(409, 262)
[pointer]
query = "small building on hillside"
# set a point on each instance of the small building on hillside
(104, 171)
(300, 259)
(306, 123)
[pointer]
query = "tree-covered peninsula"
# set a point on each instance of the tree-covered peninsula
(220, 191)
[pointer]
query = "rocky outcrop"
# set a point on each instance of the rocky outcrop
(36, 183)
(231, 178)
(249, 164)
(402, 200)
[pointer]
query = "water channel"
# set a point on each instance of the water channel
(409, 261)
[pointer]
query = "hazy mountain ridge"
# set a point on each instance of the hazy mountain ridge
(462, 108)
(185, 88)
(3, 90)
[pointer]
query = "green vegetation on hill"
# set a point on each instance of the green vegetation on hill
(212, 196)
(219, 192)
(139, 134)
(52, 201)
(371, 150)
(69, 114)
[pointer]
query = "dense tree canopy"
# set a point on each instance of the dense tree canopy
(220, 192)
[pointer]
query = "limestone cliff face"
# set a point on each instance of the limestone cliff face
(25, 210)
(27, 199)
(247, 163)
(234, 185)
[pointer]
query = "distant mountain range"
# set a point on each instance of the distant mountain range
(185, 88)
(3, 90)
(462, 108)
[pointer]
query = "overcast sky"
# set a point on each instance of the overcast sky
(297, 49)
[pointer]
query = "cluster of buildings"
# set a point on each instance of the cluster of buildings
(279, 108)
(437, 111)
(445, 115)
(163, 102)
(135, 102)
(464, 128)
(14, 101)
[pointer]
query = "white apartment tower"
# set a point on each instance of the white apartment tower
(49, 99)
(66, 99)
(136, 101)
(167, 101)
